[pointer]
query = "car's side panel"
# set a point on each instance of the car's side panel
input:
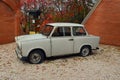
(80, 41)
(37, 44)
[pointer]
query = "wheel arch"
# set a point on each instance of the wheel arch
(38, 49)
(86, 45)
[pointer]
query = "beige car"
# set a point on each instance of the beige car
(56, 39)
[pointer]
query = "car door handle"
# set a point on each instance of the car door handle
(71, 39)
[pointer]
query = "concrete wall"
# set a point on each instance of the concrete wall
(105, 22)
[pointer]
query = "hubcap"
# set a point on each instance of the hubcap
(35, 58)
(85, 51)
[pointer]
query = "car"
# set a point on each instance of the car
(56, 39)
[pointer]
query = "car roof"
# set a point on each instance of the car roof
(65, 24)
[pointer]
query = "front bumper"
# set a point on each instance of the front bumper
(18, 53)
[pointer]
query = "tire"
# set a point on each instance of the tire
(85, 51)
(36, 57)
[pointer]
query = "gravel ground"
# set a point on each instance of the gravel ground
(104, 64)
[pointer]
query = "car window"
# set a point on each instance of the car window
(78, 31)
(47, 30)
(62, 31)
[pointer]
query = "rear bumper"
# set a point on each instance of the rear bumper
(96, 48)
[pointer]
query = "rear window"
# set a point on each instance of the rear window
(79, 31)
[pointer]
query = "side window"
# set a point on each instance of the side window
(58, 32)
(61, 31)
(78, 31)
(67, 31)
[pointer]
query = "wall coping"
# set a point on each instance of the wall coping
(91, 12)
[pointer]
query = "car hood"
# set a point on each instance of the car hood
(30, 37)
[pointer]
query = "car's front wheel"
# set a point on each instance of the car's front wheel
(85, 51)
(36, 57)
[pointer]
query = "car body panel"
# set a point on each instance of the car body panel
(80, 41)
(61, 46)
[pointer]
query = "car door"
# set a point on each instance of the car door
(62, 41)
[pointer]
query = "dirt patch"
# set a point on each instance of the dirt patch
(104, 64)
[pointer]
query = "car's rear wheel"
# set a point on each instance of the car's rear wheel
(85, 51)
(36, 57)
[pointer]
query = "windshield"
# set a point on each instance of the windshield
(47, 30)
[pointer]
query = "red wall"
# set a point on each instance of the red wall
(6, 23)
(9, 22)
(105, 22)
